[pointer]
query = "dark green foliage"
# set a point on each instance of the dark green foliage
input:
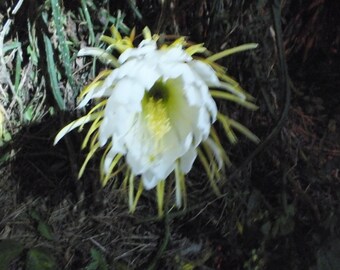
(40, 259)
(98, 261)
(9, 251)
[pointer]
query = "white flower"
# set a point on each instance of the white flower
(159, 110)
(156, 110)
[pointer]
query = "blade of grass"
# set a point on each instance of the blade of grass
(11, 46)
(92, 38)
(133, 6)
(53, 74)
(18, 70)
(63, 47)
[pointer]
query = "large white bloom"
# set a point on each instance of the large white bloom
(159, 110)
(156, 110)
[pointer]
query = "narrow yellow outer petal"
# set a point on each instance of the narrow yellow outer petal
(71, 126)
(133, 34)
(96, 82)
(215, 138)
(138, 194)
(87, 159)
(245, 131)
(197, 48)
(160, 197)
(115, 33)
(95, 126)
(104, 56)
(147, 33)
(231, 97)
(181, 196)
(213, 165)
(178, 186)
(112, 166)
(102, 160)
(210, 174)
(225, 121)
(227, 52)
(131, 191)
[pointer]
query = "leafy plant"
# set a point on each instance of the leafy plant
(40, 259)
(98, 261)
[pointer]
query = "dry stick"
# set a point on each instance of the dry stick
(284, 82)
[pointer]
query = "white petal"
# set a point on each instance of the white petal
(117, 122)
(216, 151)
(127, 91)
(193, 95)
(140, 148)
(175, 54)
(105, 132)
(108, 159)
(149, 181)
(142, 72)
(211, 107)
(187, 160)
(163, 168)
(204, 123)
(96, 92)
(144, 49)
(205, 72)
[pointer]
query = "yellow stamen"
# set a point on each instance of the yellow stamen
(157, 118)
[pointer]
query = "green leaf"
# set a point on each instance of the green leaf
(98, 261)
(53, 74)
(29, 113)
(45, 230)
(11, 46)
(9, 250)
(40, 259)
(88, 21)
(18, 70)
(34, 214)
(7, 137)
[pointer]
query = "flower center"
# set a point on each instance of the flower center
(157, 118)
(159, 91)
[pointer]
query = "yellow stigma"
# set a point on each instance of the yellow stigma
(157, 118)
